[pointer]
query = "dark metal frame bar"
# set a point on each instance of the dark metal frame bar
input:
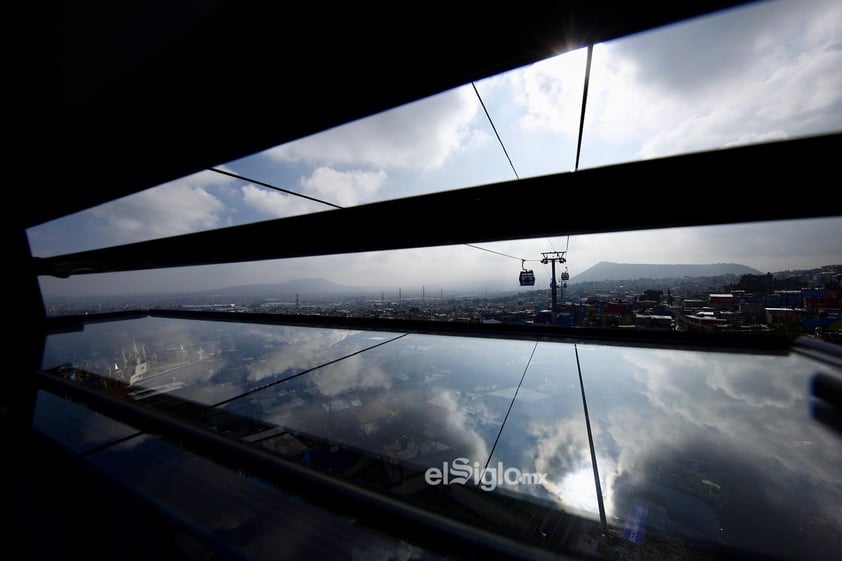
(503, 211)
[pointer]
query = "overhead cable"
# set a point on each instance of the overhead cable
(511, 404)
(498, 253)
(584, 104)
(301, 373)
(262, 184)
(256, 182)
(495, 130)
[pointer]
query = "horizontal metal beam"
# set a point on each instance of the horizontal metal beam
(714, 187)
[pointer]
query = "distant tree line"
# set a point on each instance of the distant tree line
(760, 284)
(651, 295)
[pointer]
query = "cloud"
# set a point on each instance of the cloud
(178, 207)
(697, 56)
(550, 92)
(340, 188)
(345, 188)
(277, 205)
(459, 429)
(757, 74)
(746, 385)
(748, 400)
(796, 99)
(296, 349)
(654, 412)
(561, 451)
(353, 373)
(418, 136)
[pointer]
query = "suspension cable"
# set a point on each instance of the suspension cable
(597, 483)
(511, 404)
(301, 373)
(262, 184)
(500, 140)
(498, 253)
(584, 104)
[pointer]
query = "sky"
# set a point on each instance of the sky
(768, 71)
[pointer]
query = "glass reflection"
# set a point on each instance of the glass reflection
(717, 447)
(421, 400)
(692, 447)
(76, 428)
(205, 362)
(546, 434)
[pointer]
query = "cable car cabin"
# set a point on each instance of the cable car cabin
(527, 278)
(565, 276)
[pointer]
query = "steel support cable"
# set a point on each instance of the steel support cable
(511, 404)
(582, 117)
(303, 372)
(498, 253)
(493, 127)
(255, 390)
(579, 141)
(267, 185)
(288, 192)
(293, 193)
(511, 164)
(590, 443)
(584, 104)
(500, 140)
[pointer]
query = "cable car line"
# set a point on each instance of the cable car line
(527, 276)
(565, 276)
(511, 404)
(498, 253)
(263, 184)
(596, 477)
(287, 191)
(500, 140)
(301, 373)
(584, 103)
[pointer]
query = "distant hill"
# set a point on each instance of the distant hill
(605, 270)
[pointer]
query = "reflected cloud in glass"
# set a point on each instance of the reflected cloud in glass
(716, 446)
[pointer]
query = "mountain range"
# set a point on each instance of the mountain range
(602, 271)
(606, 270)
